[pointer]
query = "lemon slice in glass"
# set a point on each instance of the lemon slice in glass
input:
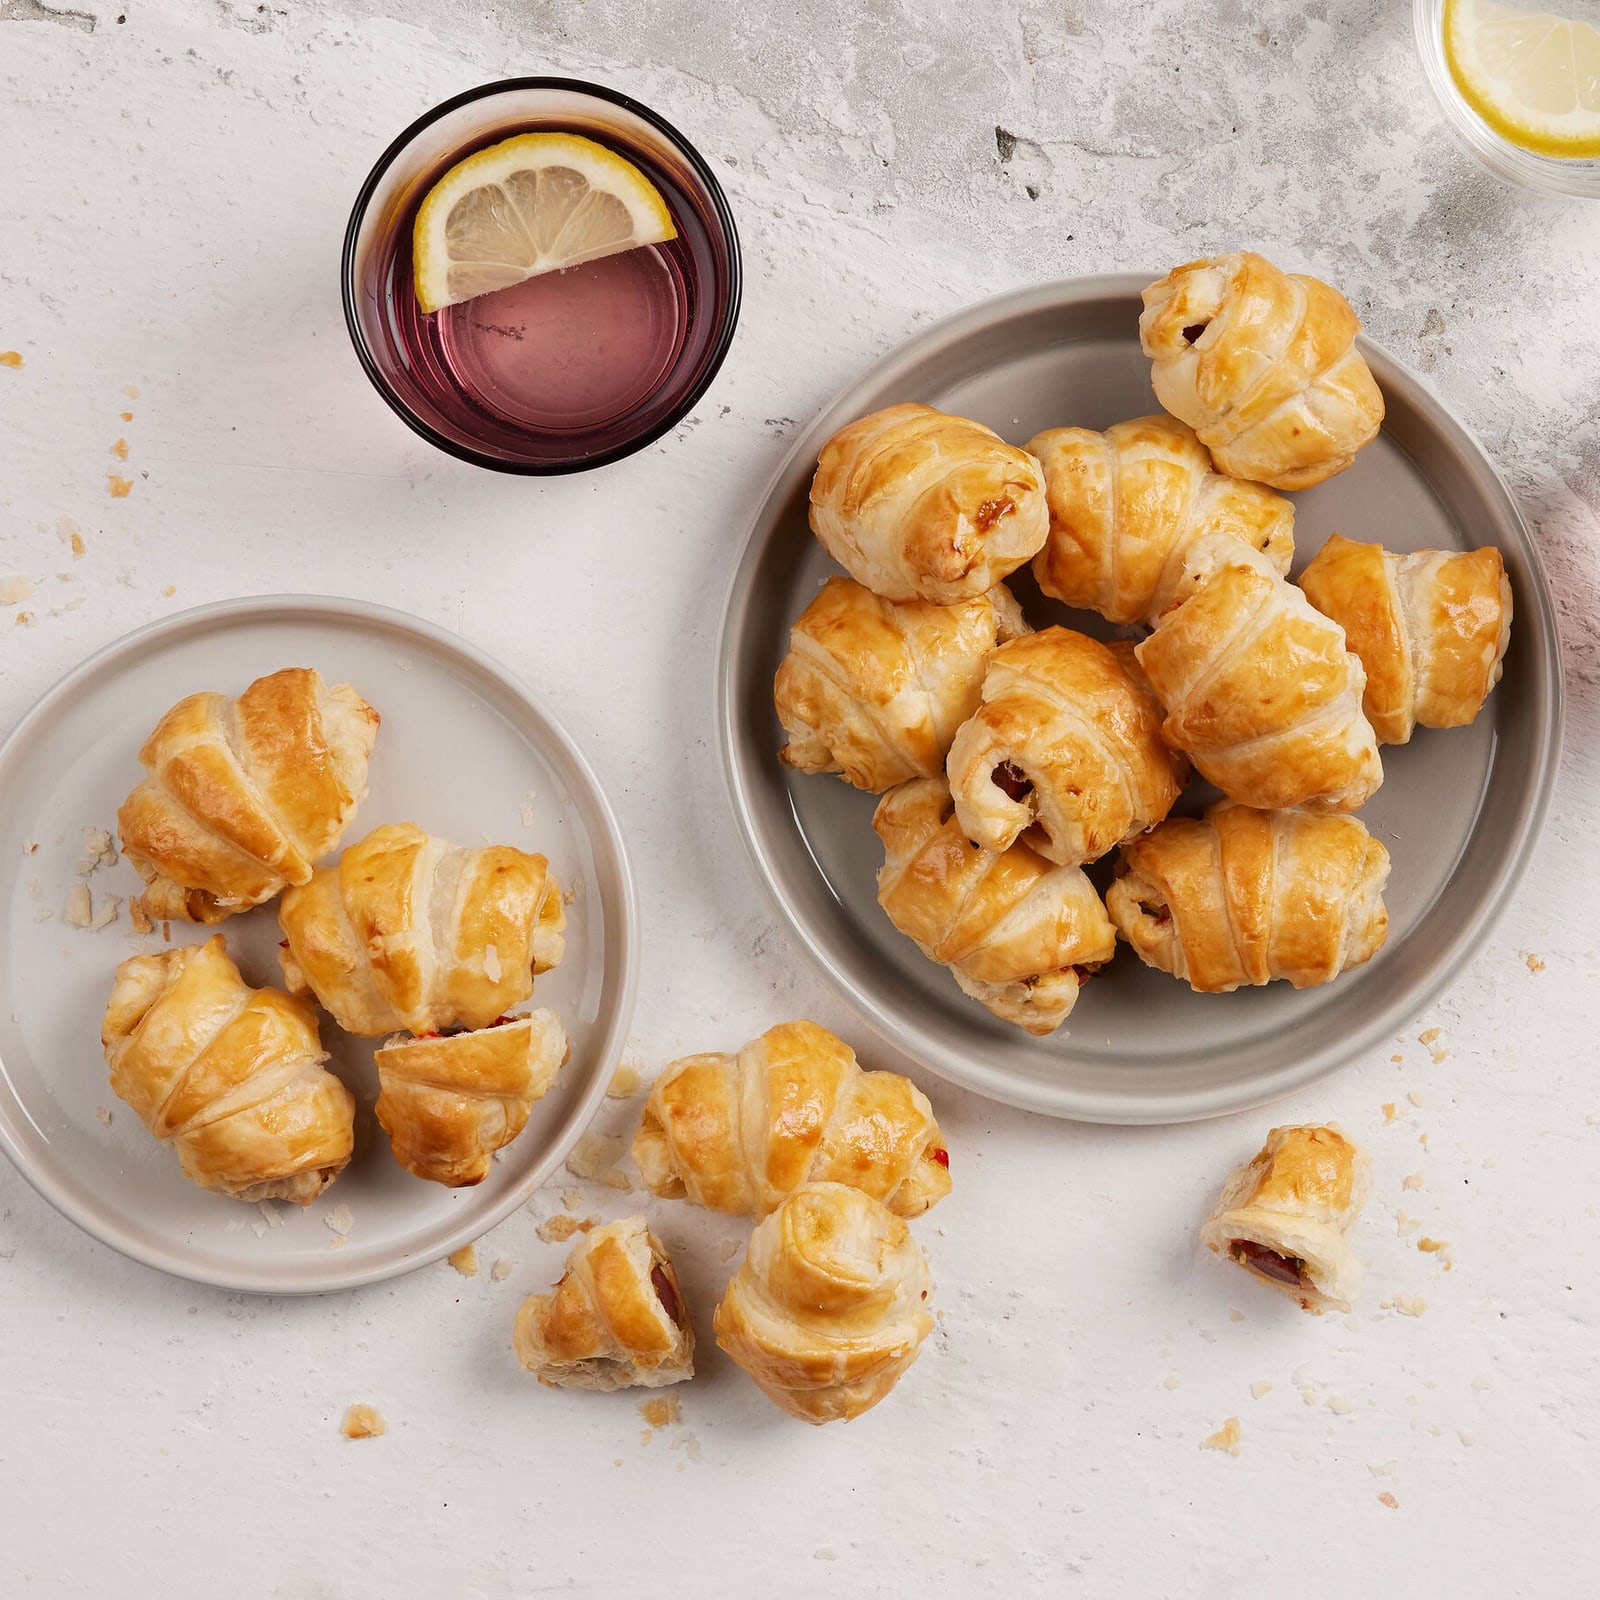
(1532, 76)
(532, 204)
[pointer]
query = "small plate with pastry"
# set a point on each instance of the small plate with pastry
(1139, 693)
(320, 944)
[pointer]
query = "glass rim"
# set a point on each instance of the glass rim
(717, 350)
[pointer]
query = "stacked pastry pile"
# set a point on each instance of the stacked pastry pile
(405, 935)
(1013, 759)
(830, 1305)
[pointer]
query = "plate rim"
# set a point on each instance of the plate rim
(1056, 1100)
(613, 1029)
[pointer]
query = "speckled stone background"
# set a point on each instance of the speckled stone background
(176, 177)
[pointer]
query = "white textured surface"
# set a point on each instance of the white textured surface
(176, 187)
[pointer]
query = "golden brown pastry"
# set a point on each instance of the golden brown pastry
(916, 504)
(1263, 366)
(1125, 505)
(1259, 688)
(409, 931)
(1243, 897)
(245, 794)
(616, 1318)
(231, 1077)
(830, 1305)
(449, 1101)
(875, 689)
(1285, 1216)
(1019, 934)
(736, 1133)
(1065, 747)
(1431, 628)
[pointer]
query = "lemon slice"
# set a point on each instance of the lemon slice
(532, 204)
(1533, 77)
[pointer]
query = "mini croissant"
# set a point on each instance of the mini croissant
(1263, 366)
(1066, 745)
(1431, 628)
(244, 794)
(875, 689)
(1125, 506)
(1259, 688)
(1246, 896)
(829, 1307)
(916, 504)
(409, 931)
(231, 1077)
(449, 1101)
(736, 1133)
(1284, 1217)
(615, 1320)
(1019, 933)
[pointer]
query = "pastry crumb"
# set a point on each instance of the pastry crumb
(1412, 1180)
(104, 1116)
(269, 1213)
(1535, 963)
(1440, 1057)
(594, 1159)
(525, 809)
(572, 1198)
(728, 1249)
(1261, 1388)
(1432, 1246)
(573, 893)
(624, 1082)
(1415, 1097)
(1394, 1113)
(1398, 1060)
(1408, 1305)
(340, 1220)
(1172, 1381)
(168, 590)
(1384, 1469)
(43, 914)
(1467, 1436)
(118, 487)
(1235, 1314)
(502, 1269)
(67, 529)
(465, 1260)
(1405, 1223)
(14, 590)
(1428, 1035)
(106, 914)
(363, 1422)
(79, 912)
(561, 1227)
(1389, 1500)
(1225, 1438)
(99, 850)
(1338, 1405)
(662, 1411)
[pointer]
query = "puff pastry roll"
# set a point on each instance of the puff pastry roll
(830, 1305)
(449, 1101)
(918, 505)
(1244, 896)
(409, 931)
(1259, 688)
(1285, 1217)
(231, 1077)
(244, 794)
(1066, 746)
(1126, 504)
(616, 1318)
(875, 689)
(1020, 934)
(736, 1133)
(1431, 628)
(1262, 364)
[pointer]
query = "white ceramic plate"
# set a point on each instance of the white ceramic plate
(1459, 811)
(462, 748)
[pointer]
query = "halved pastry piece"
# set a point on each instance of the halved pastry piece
(615, 1319)
(448, 1101)
(1430, 626)
(1285, 1216)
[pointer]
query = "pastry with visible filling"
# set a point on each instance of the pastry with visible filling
(245, 793)
(1263, 365)
(448, 1101)
(616, 1318)
(409, 931)
(1430, 626)
(1065, 749)
(920, 505)
(830, 1305)
(1242, 897)
(875, 689)
(1020, 934)
(1259, 688)
(1126, 504)
(232, 1078)
(737, 1133)
(1285, 1216)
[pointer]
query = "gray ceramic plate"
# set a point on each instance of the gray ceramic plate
(1459, 810)
(463, 750)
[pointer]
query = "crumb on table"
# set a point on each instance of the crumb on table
(661, 1411)
(1389, 1500)
(594, 1158)
(502, 1269)
(465, 1260)
(561, 1227)
(363, 1422)
(1225, 1438)
(1428, 1035)
(624, 1082)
